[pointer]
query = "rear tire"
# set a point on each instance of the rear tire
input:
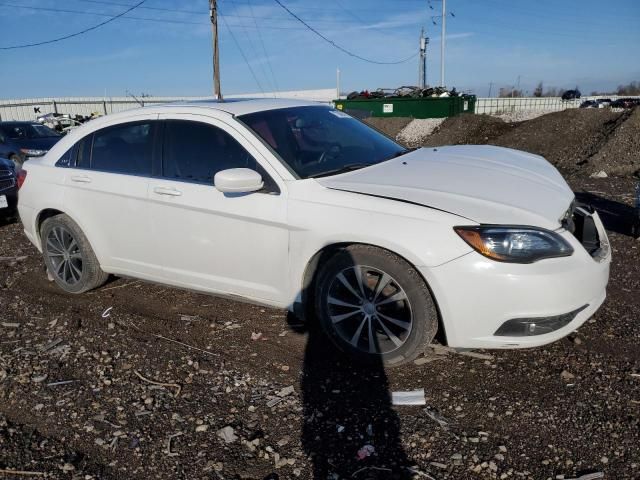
(387, 316)
(69, 257)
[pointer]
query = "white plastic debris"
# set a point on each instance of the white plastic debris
(414, 397)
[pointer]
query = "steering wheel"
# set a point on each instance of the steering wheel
(333, 151)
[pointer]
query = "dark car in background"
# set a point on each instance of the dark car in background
(571, 94)
(21, 140)
(8, 189)
(625, 103)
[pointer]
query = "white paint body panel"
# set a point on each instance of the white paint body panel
(483, 183)
(257, 246)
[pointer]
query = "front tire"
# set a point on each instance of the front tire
(69, 258)
(374, 306)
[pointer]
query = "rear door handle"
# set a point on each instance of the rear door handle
(172, 192)
(80, 179)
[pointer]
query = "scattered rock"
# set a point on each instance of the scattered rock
(227, 434)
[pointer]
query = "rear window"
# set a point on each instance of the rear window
(126, 148)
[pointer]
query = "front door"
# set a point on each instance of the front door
(227, 243)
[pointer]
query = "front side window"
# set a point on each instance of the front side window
(317, 141)
(126, 148)
(195, 152)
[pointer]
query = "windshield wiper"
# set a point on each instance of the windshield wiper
(346, 168)
(403, 152)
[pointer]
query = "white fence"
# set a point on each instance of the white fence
(493, 106)
(31, 108)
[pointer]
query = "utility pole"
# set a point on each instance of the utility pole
(444, 29)
(338, 83)
(213, 14)
(422, 65)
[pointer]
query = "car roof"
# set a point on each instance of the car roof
(242, 106)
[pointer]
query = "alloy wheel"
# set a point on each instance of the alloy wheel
(64, 254)
(369, 310)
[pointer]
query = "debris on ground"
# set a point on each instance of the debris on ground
(413, 397)
(365, 451)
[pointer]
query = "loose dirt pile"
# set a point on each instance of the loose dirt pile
(620, 155)
(576, 141)
(389, 126)
(567, 138)
(468, 129)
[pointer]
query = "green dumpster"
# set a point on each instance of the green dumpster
(427, 107)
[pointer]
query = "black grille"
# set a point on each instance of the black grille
(6, 179)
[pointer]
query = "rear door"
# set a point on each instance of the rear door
(107, 194)
(227, 243)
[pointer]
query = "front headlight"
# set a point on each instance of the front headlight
(31, 152)
(515, 244)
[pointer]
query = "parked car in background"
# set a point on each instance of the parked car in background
(8, 189)
(20, 141)
(300, 206)
(571, 94)
(625, 103)
(589, 104)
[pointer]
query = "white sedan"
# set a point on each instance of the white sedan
(297, 205)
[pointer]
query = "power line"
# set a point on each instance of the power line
(342, 49)
(255, 52)
(242, 53)
(264, 50)
(65, 37)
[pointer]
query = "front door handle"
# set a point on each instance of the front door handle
(80, 179)
(172, 192)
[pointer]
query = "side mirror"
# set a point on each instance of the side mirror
(238, 180)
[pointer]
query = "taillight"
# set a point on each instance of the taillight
(21, 177)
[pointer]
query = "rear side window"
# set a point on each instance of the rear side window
(195, 152)
(126, 148)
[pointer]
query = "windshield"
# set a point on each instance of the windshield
(18, 131)
(315, 141)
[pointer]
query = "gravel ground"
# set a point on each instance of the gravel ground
(248, 393)
(522, 115)
(418, 130)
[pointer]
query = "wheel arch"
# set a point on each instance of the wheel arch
(46, 213)
(309, 277)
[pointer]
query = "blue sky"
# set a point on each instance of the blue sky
(166, 49)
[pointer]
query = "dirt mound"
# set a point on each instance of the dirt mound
(567, 138)
(620, 155)
(389, 126)
(468, 129)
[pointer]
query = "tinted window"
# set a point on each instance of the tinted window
(83, 152)
(316, 141)
(195, 152)
(66, 159)
(126, 148)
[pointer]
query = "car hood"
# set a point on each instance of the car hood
(44, 143)
(485, 184)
